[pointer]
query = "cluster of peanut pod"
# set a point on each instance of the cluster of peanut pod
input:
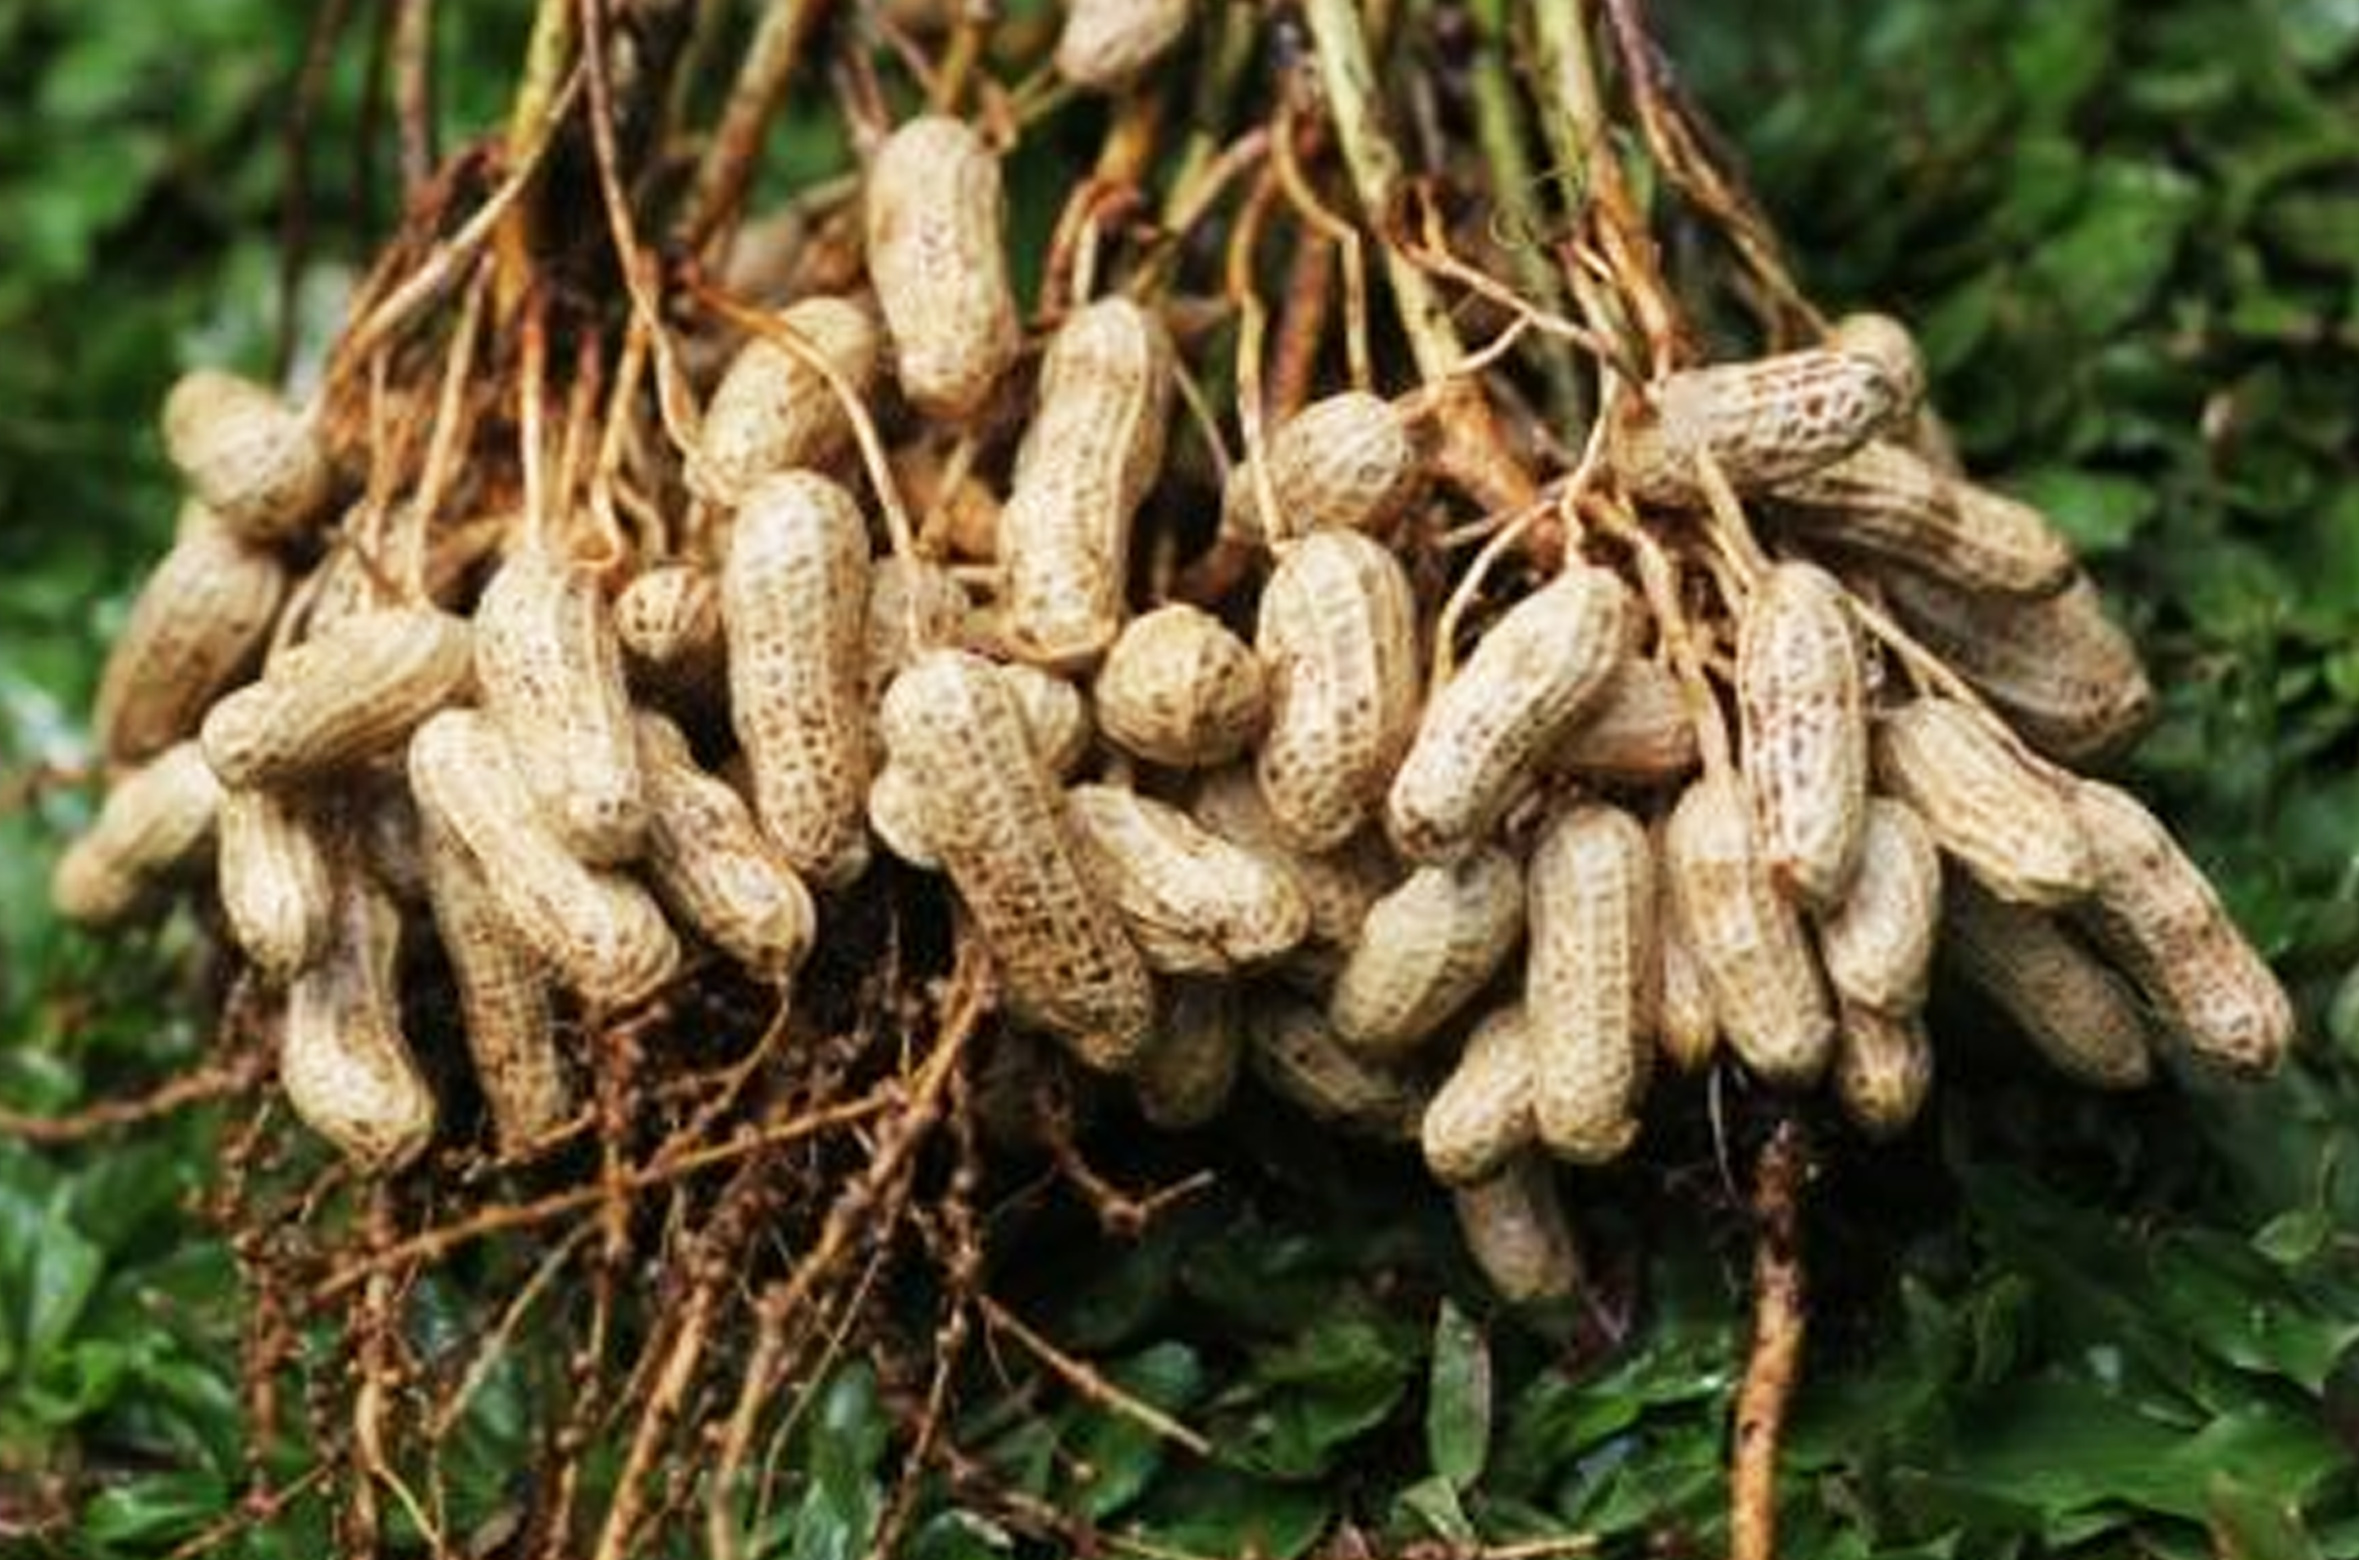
(1786, 712)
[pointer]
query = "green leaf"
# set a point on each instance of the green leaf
(1210, 1510)
(1112, 1456)
(2248, 1524)
(1458, 1399)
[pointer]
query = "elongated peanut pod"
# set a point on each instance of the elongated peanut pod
(794, 600)
(1086, 462)
(343, 1060)
(2159, 917)
(1193, 902)
(1107, 43)
(1687, 1026)
(1883, 1069)
(773, 412)
(1179, 688)
(1985, 808)
(503, 996)
(936, 219)
(1590, 977)
(157, 822)
(274, 880)
(247, 455)
(1340, 886)
(1189, 1069)
(1425, 950)
(1767, 422)
(1349, 462)
(2061, 671)
(550, 670)
(714, 867)
(1884, 501)
(1515, 1228)
(669, 622)
(196, 629)
(2068, 1002)
(1481, 1116)
(1636, 732)
(990, 808)
(1747, 937)
(1338, 633)
(1297, 1056)
(1487, 731)
(602, 933)
(1878, 943)
(1800, 693)
(353, 694)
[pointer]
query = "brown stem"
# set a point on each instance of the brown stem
(728, 166)
(413, 91)
(1780, 1318)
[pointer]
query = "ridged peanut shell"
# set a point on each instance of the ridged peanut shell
(1105, 44)
(1801, 697)
(712, 865)
(342, 1058)
(196, 630)
(156, 822)
(274, 878)
(1515, 1228)
(773, 411)
(1194, 903)
(352, 694)
(1885, 501)
(1297, 1056)
(247, 455)
(1178, 688)
(1986, 808)
(1425, 949)
(1766, 422)
(2072, 1006)
(1878, 943)
(1591, 971)
(1481, 1115)
(936, 226)
(1883, 1069)
(1348, 462)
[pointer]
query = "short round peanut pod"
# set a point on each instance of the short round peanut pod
(1297, 1056)
(713, 867)
(1189, 1069)
(342, 1058)
(1193, 902)
(1179, 688)
(1486, 732)
(1349, 462)
(936, 219)
(332, 703)
(1338, 633)
(1747, 937)
(1986, 808)
(1425, 950)
(1105, 44)
(157, 822)
(794, 603)
(549, 666)
(197, 628)
(669, 622)
(1590, 977)
(774, 411)
(1883, 1069)
(1481, 1116)
(247, 455)
(2073, 1008)
(1801, 694)
(601, 932)
(1516, 1230)
(1878, 943)
(274, 880)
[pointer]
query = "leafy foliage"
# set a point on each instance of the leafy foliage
(2048, 1323)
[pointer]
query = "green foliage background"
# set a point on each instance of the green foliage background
(2131, 235)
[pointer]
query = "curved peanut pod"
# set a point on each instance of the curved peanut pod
(1767, 422)
(1192, 901)
(247, 455)
(1878, 943)
(550, 670)
(1298, 1057)
(1747, 937)
(601, 932)
(1481, 1116)
(274, 880)
(1637, 731)
(1590, 975)
(1338, 632)
(669, 622)
(713, 867)
(990, 808)
(2158, 916)
(1801, 697)
(1425, 950)
(354, 693)
(1189, 1068)
(1179, 688)
(794, 599)
(1340, 886)
(197, 628)
(1985, 807)
(1086, 462)
(1883, 1069)
(2061, 671)
(1348, 462)
(1884, 501)
(772, 411)
(156, 822)
(2068, 1002)
(1487, 731)
(1106, 43)
(1516, 1230)
(936, 220)
(342, 1058)
(503, 996)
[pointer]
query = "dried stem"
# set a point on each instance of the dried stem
(728, 167)
(1780, 1318)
